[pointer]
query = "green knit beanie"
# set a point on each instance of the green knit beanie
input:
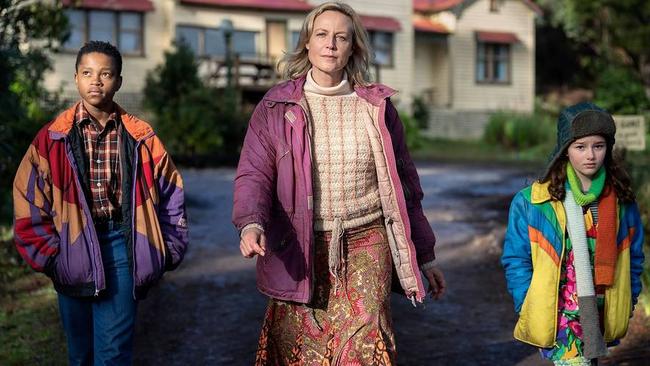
(577, 121)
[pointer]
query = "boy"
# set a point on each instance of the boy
(99, 208)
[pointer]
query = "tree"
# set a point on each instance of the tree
(617, 31)
(28, 31)
(199, 124)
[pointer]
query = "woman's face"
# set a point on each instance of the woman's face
(330, 47)
(587, 155)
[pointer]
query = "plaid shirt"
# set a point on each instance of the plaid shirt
(102, 148)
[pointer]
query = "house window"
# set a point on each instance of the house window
(243, 43)
(77, 19)
(215, 43)
(191, 37)
(130, 34)
(494, 6)
(382, 45)
(212, 41)
(493, 63)
(295, 37)
(120, 28)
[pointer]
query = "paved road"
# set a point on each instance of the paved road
(209, 312)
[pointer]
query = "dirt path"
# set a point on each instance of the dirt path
(209, 312)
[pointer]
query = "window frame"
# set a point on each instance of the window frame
(292, 44)
(121, 29)
(494, 6)
(201, 52)
(372, 34)
(489, 63)
(116, 30)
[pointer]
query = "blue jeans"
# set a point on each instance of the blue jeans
(100, 330)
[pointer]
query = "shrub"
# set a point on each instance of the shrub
(200, 125)
(619, 91)
(420, 113)
(518, 131)
(411, 131)
(25, 105)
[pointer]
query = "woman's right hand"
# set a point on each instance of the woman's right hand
(252, 242)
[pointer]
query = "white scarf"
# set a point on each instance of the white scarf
(592, 338)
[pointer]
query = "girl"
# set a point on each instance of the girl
(573, 248)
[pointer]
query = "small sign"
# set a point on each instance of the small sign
(630, 132)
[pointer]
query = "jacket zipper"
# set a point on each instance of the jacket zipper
(91, 226)
(312, 249)
(392, 240)
(559, 273)
(133, 228)
(381, 122)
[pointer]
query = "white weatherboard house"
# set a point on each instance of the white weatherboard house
(466, 59)
(473, 58)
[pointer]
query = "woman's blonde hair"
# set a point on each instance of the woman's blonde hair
(296, 64)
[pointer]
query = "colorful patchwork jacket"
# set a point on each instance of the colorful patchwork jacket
(532, 258)
(53, 229)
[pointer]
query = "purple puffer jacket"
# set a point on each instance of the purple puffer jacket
(273, 187)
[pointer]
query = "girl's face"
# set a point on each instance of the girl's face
(587, 155)
(330, 47)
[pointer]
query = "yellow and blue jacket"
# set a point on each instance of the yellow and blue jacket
(532, 257)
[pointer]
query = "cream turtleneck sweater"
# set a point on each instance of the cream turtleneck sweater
(344, 173)
(345, 176)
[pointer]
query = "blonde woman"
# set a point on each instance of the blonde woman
(327, 197)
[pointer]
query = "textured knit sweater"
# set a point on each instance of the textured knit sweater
(345, 176)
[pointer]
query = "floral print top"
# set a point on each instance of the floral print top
(569, 332)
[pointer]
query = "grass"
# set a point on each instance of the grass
(479, 152)
(30, 330)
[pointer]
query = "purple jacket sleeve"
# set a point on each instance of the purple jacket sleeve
(421, 232)
(254, 181)
(172, 215)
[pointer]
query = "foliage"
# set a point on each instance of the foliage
(197, 123)
(420, 112)
(518, 131)
(28, 30)
(411, 131)
(616, 31)
(558, 58)
(620, 91)
(28, 316)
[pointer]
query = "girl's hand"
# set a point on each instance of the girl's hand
(252, 242)
(437, 285)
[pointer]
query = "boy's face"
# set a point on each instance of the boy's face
(97, 80)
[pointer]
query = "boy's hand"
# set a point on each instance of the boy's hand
(252, 242)
(437, 284)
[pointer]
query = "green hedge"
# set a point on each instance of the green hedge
(518, 131)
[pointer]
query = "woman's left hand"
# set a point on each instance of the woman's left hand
(437, 285)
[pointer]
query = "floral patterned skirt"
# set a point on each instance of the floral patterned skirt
(345, 325)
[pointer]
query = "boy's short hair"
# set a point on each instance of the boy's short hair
(101, 47)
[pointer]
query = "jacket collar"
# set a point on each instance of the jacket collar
(292, 91)
(137, 128)
(540, 193)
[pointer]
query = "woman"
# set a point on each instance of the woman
(328, 197)
(573, 252)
